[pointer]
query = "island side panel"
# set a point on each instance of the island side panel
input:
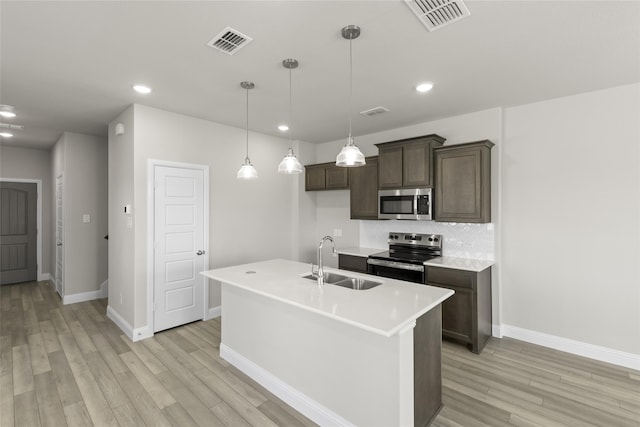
(356, 374)
(427, 339)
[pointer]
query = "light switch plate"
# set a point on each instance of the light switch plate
(86, 218)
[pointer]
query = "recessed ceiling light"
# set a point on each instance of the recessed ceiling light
(7, 111)
(142, 89)
(424, 87)
(6, 134)
(283, 128)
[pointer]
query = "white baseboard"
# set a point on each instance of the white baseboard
(603, 354)
(294, 398)
(104, 288)
(213, 312)
(136, 334)
(81, 297)
(45, 277)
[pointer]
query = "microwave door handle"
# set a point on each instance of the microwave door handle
(415, 205)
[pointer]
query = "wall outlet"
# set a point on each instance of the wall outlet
(86, 218)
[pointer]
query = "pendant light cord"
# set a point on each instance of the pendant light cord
(290, 113)
(350, 87)
(247, 123)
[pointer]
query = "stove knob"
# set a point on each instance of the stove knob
(436, 239)
(431, 239)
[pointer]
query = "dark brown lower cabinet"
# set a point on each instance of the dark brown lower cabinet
(466, 316)
(427, 367)
(352, 262)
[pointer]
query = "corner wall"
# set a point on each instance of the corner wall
(571, 220)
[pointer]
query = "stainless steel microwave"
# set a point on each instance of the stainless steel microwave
(405, 203)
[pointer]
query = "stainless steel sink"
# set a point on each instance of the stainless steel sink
(357, 284)
(346, 282)
(328, 277)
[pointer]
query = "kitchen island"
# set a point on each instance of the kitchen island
(340, 356)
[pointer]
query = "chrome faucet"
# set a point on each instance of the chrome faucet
(320, 273)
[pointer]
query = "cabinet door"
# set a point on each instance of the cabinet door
(314, 178)
(457, 318)
(353, 263)
(336, 178)
(463, 183)
(390, 167)
(416, 164)
(363, 182)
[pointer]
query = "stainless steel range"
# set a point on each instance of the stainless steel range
(406, 256)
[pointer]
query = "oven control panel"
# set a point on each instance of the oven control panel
(415, 239)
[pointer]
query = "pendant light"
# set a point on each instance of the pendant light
(290, 164)
(247, 171)
(350, 156)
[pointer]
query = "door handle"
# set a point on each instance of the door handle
(200, 252)
(59, 244)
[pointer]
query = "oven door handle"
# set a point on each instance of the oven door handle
(394, 264)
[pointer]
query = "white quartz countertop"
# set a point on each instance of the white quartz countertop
(476, 265)
(358, 251)
(384, 310)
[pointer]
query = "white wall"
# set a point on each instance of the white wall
(25, 163)
(82, 160)
(249, 220)
(121, 236)
(571, 218)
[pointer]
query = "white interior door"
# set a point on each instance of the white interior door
(179, 246)
(59, 276)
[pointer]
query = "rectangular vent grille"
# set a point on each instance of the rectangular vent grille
(374, 111)
(436, 14)
(229, 41)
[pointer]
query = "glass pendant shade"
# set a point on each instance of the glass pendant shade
(290, 164)
(350, 155)
(247, 171)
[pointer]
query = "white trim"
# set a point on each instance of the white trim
(39, 275)
(213, 312)
(151, 164)
(104, 289)
(47, 277)
(120, 322)
(603, 354)
(81, 297)
(294, 398)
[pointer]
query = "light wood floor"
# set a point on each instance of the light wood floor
(70, 365)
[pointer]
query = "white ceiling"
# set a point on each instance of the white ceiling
(69, 66)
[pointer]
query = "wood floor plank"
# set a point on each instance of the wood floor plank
(38, 353)
(59, 322)
(77, 415)
(68, 391)
(49, 405)
(228, 416)
(22, 373)
(6, 400)
(25, 411)
(142, 401)
(97, 406)
(149, 382)
(278, 416)
(179, 416)
(6, 355)
(50, 336)
(150, 361)
(31, 322)
(127, 416)
(106, 380)
(191, 404)
(82, 339)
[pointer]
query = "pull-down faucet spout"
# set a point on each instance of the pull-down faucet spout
(320, 264)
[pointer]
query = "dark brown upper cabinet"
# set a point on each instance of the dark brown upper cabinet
(407, 163)
(325, 176)
(463, 182)
(363, 182)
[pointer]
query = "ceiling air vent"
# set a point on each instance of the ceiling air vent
(229, 41)
(374, 111)
(436, 14)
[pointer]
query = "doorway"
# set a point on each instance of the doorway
(19, 241)
(180, 243)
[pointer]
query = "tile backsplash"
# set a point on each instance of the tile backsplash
(462, 240)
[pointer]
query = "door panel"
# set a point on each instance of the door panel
(18, 232)
(179, 244)
(59, 274)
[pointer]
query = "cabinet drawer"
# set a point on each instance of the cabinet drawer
(353, 263)
(447, 276)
